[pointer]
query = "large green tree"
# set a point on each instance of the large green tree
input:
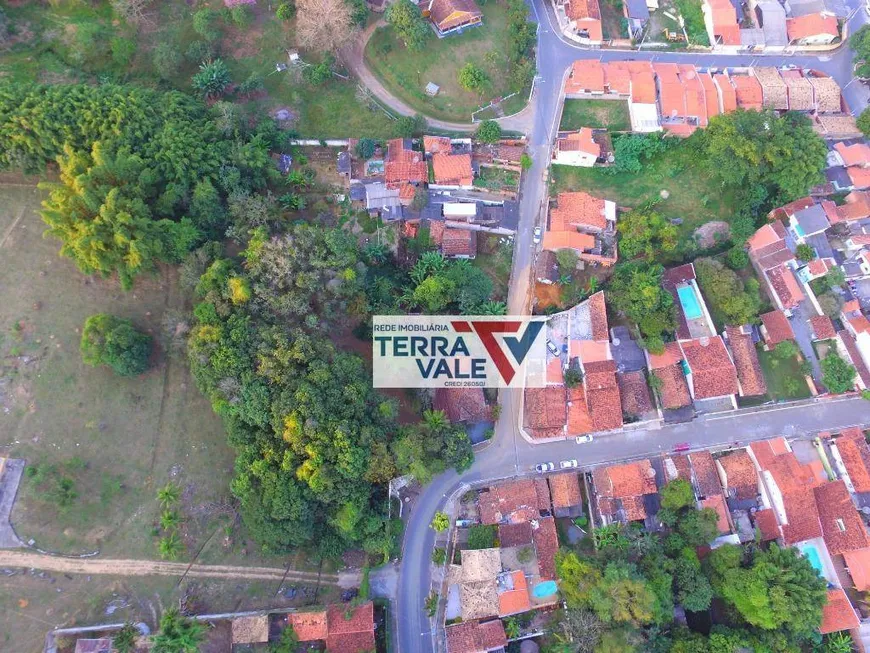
(409, 24)
(646, 233)
(837, 375)
(115, 342)
(730, 301)
(636, 291)
(178, 634)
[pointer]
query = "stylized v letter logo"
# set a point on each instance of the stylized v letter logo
(520, 347)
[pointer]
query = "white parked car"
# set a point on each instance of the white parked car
(583, 439)
(568, 464)
(552, 347)
(541, 468)
(537, 237)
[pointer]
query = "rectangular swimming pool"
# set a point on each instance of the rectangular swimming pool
(812, 554)
(689, 301)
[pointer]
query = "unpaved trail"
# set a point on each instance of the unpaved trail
(157, 568)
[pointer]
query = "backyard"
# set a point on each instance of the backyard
(494, 254)
(98, 446)
(406, 74)
(783, 376)
(598, 114)
(492, 178)
(682, 188)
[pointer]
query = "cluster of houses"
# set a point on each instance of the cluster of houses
(731, 25)
(516, 576)
(680, 98)
(808, 494)
(838, 237)
(431, 183)
(338, 628)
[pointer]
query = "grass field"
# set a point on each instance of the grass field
(118, 439)
(405, 73)
(691, 194)
(598, 114)
(783, 377)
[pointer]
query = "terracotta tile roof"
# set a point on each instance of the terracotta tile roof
(713, 373)
(634, 393)
(749, 94)
(788, 473)
(860, 177)
(556, 240)
(545, 409)
(727, 91)
(602, 395)
(674, 391)
(767, 246)
(583, 9)
(546, 545)
(670, 356)
(589, 351)
(462, 404)
(711, 95)
(706, 477)
(403, 165)
(579, 141)
(767, 524)
(800, 91)
(696, 96)
(516, 600)
(579, 420)
(351, 630)
(773, 89)
(626, 480)
(565, 490)
(822, 327)
(858, 563)
(542, 492)
(819, 266)
(851, 306)
(795, 207)
(786, 286)
(740, 474)
(855, 454)
(838, 614)
(827, 94)
(724, 20)
(500, 502)
(766, 450)
(452, 169)
(643, 86)
(746, 361)
(510, 153)
(803, 516)
(476, 636)
(309, 626)
(459, 242)
(433, 144)
(634, 508)
(407, 192)
(598, 316)
(518, 534)
(802, 27)
(678, 466)
(859, 323)
(447, 14)
(839, 125)
(672, 98)
(857, 154)
(717, 503)
(586, 75)
(777, 328)
(842, 527)
(680, 129)
(578, 210)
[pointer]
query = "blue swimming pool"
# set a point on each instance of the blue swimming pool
(689, 301)
(812, 554)
(545, 589)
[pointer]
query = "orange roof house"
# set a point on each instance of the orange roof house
(587, 76)
(838, 614)
(712, 102)
(565, 492)
(786, 288)
(546, 545)
(602, 395)
(582, 211)
(577, 148)
(842, 527)
(620, 489)
(855, 454)
(514, 600)
(857, 154)
(858, 564)
(350, 630)
(452, 169)
(705, 474)
(776, 328)
(514, 501)
(674, 391)
(767, 246)
(812, 29)
(452, 15)
(748, 89)
(822, 327)
(672, 99)
(545, 411)
(767, 525)
(309, 626)
(739, 478)
(476, 637)
(404, 165)
(585, 17)
(727, 93)
(749, 374)
(712, 372)
(717, 503)
(720, 18)
(556, 240)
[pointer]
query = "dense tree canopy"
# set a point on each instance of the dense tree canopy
(837, 375)
(115, 342)
(731, 301)
(636, 290)
(409, 24)
(646, 233)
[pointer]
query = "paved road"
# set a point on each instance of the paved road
(509, 453)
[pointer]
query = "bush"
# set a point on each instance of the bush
(439, 555)
(482, 537)
(286, 11)
(113, 341)
(805, 253)
(489, 131)
(837, 375)
(365, 148)
(199, 51)
(525, 162)
(122, 51)
(737, 258)
(864, 120)
(212, 79)
(241, 16)
(205, 23)
(166, 59)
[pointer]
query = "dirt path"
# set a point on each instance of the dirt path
(155, 568)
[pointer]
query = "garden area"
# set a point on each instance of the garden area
(497, 179)
(598, 114)
(783, 373)
(471, 68)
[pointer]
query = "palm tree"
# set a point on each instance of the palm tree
(169, 520)
(292, 201)
(124, 640)
(177, 634)
(492, 308)
(435, 419)
(170, 547)
(169, 494)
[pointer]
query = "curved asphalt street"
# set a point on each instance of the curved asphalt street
(508, 453)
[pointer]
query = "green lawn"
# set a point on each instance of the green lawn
(405, 73)
(783, 377)
(691, 194)
(598, 114)
(492, 178)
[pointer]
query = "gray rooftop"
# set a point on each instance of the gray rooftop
(771, 17)
(378, 196)
(806, 7)
(812, 219)
(752, 36)
(637, 9)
